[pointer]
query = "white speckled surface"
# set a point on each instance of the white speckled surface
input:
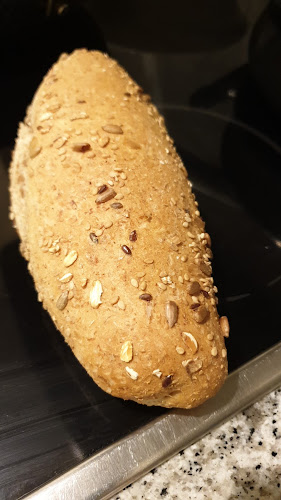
(239, 460)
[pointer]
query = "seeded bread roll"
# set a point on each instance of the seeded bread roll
(113, 236)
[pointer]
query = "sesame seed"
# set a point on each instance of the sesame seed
(213, 302)
(180, 350)
(84, 282)
(190, 235)
(162, 286)
(180, 279)
(186, 362)
(183, 258)
(134, 283)
(186, 277)
(141, 275)
(214, 351)
(112, 174)
(66, 278)
(123, 176)
(148, 261)
(98, 232)
(162, 274)
(210, 336)
(108, 224)
(223, 353)
(103, 141)
(143, 285)
(157, 373)
(197, 213)
(185, 224)
(112, 129)
(111, 183)
(121, 305)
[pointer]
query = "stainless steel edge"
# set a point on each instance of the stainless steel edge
(108, 471)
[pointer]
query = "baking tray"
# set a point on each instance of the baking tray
(57, 428)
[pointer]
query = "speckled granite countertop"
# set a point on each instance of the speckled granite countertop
(239, 460)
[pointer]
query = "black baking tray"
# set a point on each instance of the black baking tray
(53, 416)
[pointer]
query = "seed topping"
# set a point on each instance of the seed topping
(126, 353)
(224, 324)
(70, 258)
(193, 288)
(34, 148)
(93, 238)
(200, 314)
(191, 341)
(81, 147)
(205, 268)
(133, 236)
(134, 283)
(171, 312)
(126, 250)
(194, 366)
(121, 305)
(116, 205)
(62, 301)
(157, 373)
(214, 351)
(132, 373)
(102, 189)
(66, 278)
(112, 129)
(95, 295)
(106, 195)
(146, 296)
(167, 381)
(180, 350)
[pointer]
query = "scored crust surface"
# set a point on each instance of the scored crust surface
(90, 125)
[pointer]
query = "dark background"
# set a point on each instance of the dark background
(204, 66)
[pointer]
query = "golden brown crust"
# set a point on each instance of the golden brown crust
(94, 251)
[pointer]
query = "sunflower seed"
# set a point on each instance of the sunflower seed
(172, 312)
(107, 195)
(34, 148)
(62, 301)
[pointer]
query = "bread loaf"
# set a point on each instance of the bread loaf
(113, 236)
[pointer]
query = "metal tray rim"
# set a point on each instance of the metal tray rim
(116, 466)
